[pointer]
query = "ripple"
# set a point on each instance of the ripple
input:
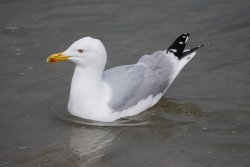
(233, 27)
(164, 112)
(60, 112)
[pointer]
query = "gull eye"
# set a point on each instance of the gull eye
(80, 50)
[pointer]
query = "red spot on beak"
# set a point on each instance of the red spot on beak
(53, 60)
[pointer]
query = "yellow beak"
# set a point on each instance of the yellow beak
(57, 57)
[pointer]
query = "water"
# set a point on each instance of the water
(202, 121)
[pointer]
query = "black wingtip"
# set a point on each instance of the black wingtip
(187, 52)
(178, 46)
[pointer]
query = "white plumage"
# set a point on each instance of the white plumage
(121, 91)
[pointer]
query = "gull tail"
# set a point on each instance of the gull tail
(184, 56)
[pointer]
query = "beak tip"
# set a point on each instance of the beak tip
(56, 57)
(47, 60)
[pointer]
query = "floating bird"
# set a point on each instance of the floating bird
(121, 91)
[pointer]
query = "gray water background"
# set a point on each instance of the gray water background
(203, 120)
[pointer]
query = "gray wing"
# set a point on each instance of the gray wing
(132, 83)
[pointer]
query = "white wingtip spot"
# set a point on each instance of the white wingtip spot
(173, 50)
(180, 42)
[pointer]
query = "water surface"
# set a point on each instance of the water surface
(203, 120)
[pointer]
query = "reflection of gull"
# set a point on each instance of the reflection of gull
(89, 144)
(121, 91)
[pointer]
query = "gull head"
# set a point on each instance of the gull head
(84, 52)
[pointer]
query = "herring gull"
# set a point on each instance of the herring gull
(121, 91)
